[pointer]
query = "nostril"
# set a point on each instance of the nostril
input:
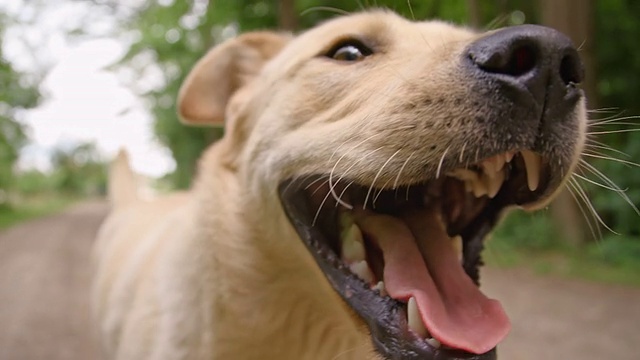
(522, 60)
(514, 61)
(571, 69)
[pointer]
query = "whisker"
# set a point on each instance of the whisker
(464, 145)
(611, 123)
(599, 145)
(395, 182)
(613, 131)
(342, 193)
(613, 119)
(332, 186)
(588, 217)
(608, 181)
(406, 195)
(441, 161)
(366, 198)
(294, 181)
(588, 203)
(315, 218)
(603, 110)
(312, 183)
(321, 185)
(339, 200)
(595, 182)
(326, 9)
(598, 156)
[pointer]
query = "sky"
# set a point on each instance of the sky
(84, 99)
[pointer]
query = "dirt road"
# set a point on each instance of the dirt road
(44, 279)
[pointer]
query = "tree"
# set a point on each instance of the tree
(574, 18)
(79, 170)
(16, 94)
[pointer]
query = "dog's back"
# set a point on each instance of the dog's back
(127, 249)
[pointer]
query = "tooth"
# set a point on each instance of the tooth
(456, 241)
(493, 164)
(434, 342)
(352, 245)
(361, 268)
(488, 166)
(468, 186)
(508, 156)
(493, 184)
(414, 319)
(380, 287)
(345, 220)
(479, 189)
(464, 174)
(533, 163)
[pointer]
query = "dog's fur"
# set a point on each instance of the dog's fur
(218, 272)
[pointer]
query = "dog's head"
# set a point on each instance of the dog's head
(394, 146)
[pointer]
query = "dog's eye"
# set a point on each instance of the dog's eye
(351, 51)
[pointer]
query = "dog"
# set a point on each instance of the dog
(343, 213)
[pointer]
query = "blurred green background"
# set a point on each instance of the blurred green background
(170, 36)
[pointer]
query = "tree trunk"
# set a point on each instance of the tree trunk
(287, 15)
(575, 19)
(474, 14)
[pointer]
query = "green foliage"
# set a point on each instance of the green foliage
(33, 207)
(15, 94)
(530, 240)
(618, 67)
(78, 170)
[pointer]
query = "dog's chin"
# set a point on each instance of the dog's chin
(357, 234)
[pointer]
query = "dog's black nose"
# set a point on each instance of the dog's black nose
(540, 59)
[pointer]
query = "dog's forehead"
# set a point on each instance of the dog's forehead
(380, 28)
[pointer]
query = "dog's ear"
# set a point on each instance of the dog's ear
(205, 93)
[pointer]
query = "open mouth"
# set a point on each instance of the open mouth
(406, 259)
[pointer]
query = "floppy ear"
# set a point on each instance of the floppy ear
(226, 68)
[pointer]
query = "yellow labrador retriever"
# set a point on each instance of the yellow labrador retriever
(342, 215)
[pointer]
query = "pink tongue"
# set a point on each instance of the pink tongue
(453, 309)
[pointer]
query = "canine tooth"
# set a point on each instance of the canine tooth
(493, 184)
(456, 241)
(434, 342)
(533, 163)
(380, 287)
(414, 319)
(352, 245)
(361, 268)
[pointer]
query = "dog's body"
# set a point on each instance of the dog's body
(182, 278)
(219, 272)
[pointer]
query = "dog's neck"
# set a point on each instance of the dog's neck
(270, 281)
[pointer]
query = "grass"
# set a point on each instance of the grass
(530, 240)
(32, 208)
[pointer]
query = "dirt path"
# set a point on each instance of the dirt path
(44, 279)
